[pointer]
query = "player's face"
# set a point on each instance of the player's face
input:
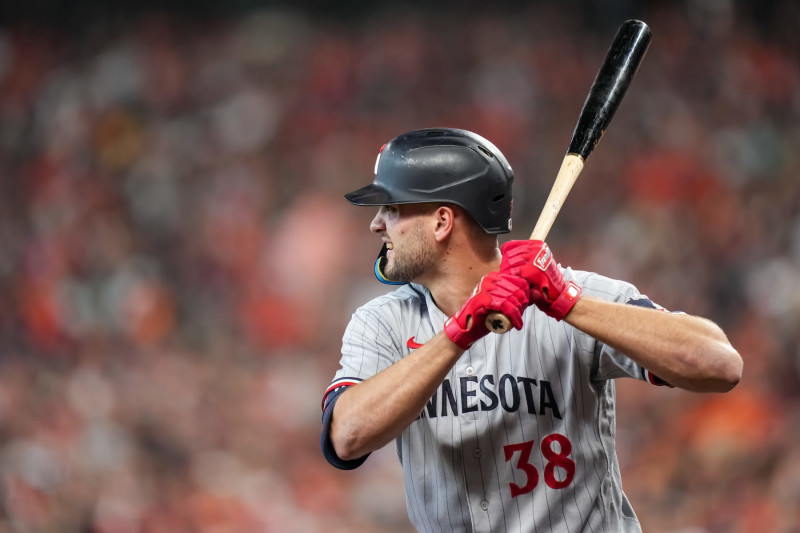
(411, 249)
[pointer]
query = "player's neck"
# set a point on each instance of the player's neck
(457, 278)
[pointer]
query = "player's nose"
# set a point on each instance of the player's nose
(377, 225)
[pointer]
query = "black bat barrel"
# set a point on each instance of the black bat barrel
(609, 87)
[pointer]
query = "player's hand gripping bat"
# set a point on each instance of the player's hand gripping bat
(605, 95)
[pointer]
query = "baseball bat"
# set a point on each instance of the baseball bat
(609, 87)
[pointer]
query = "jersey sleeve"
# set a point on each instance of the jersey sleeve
(368, 347)
(609, 363)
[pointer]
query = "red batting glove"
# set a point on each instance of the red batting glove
(496, 292)
(534, 261)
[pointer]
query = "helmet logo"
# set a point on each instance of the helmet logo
(378, 159)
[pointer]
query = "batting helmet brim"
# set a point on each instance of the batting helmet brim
(372, 194)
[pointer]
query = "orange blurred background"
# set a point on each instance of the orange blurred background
(177, 263)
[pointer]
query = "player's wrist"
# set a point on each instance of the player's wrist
(461, 335)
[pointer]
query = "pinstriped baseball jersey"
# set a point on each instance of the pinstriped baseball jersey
(520, 435)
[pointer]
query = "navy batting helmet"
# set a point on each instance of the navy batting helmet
(443, 165)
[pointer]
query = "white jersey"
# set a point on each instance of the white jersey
(520, 435)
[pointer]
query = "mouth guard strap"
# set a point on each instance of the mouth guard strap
(380, 263)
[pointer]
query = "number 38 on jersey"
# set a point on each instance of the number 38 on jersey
(559, 469)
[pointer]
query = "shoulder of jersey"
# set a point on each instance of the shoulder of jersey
(405, 293)
(592, 280)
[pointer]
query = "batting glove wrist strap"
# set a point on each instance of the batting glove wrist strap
(505, 293)
(533, 261)
(562, 305)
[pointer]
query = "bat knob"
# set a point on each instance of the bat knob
(497, 322)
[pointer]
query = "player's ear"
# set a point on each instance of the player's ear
(444, 219)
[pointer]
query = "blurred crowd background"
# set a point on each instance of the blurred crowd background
(177, 263)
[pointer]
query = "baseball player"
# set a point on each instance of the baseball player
(510, 432)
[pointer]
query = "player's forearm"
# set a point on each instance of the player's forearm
(372, 413)
(687, 351)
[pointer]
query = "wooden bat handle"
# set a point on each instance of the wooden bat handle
(571, 167)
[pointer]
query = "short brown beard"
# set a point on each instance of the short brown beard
(414, 259)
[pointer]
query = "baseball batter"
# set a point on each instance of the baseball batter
(495, 433)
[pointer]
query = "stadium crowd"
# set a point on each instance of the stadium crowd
(177, 263)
